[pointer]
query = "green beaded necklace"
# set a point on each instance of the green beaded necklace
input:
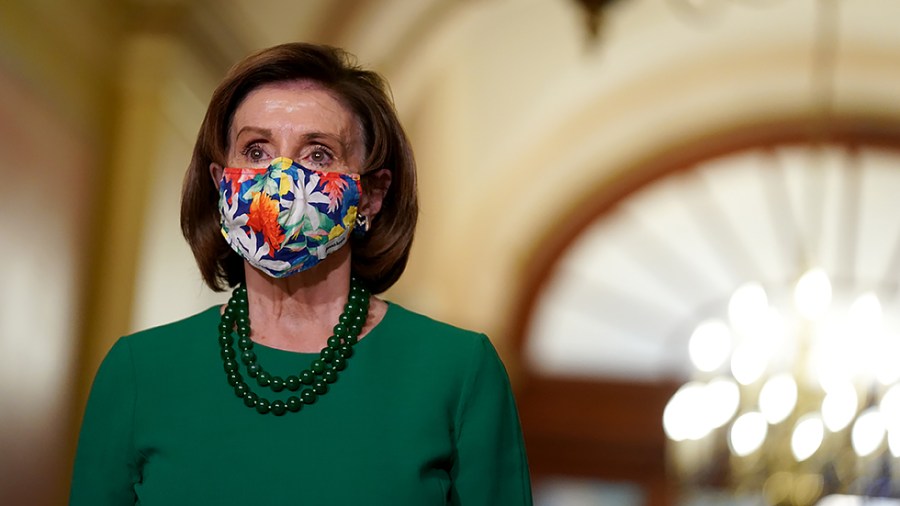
(315, 380)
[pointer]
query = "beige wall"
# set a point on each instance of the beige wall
(46, 176)
(514, 114)
(54, 106)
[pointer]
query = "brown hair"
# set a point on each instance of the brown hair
(379, 257)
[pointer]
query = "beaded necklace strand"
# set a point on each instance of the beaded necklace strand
(314, 380)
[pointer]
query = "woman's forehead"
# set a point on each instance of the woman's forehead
(289, 111)
(292, 104)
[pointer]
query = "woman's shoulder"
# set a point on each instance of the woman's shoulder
(411, 322)
(416, 331)
(439, 352)
(177, 333)
(173, 344)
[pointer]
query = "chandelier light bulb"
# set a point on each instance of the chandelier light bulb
(680, 417)
(812, 295)
(864, 334)
(894, 441)
(710, 345)
(866, 314)
(890, 410)
(831, 356)
(839, 406)
(724, 397)
(778, 398)
(889, 406)
(748, 309)
(749, 362)
(748, 433)
(886, 370)
(868, 432)
(807, 437)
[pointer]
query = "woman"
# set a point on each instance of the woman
(304, 388)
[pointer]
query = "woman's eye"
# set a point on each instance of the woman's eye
(320, 157)
(254, 153)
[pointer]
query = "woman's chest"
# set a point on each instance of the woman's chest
(365, 448)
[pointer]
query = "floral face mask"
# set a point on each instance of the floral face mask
(286, 218)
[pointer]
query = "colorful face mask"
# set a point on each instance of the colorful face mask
(286, 218)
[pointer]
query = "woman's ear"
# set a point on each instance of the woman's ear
(375, 187)
(215, 171)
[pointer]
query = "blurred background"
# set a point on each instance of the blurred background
(676, 219)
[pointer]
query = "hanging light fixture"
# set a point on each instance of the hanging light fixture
(816, 370)
(593, 15)
(793, 431)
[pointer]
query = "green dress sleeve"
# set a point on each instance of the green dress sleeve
(106, 464)
(490, 467)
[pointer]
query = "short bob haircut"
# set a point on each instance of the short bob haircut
(377, 258)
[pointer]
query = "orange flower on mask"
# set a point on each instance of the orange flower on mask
(263, 218)
(333, 185)
(236, 181)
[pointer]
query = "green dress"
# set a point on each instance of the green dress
(422, 415)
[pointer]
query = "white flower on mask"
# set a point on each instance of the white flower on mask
(299, 209)
(247, 242)
(228, 211)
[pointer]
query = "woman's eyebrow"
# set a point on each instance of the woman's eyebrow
(265, 132)
(322, 136)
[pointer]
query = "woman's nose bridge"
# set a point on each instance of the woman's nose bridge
(288, 142)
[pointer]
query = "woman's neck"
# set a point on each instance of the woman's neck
(297, 313)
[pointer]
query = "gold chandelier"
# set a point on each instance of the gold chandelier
(796, 396)
(796, 390)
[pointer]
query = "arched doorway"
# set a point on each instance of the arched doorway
(608, 311)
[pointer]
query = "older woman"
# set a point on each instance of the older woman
(304, 388)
